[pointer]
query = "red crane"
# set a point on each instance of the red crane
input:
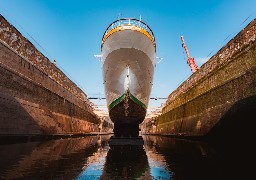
(191, 61)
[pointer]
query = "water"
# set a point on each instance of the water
(92, 158)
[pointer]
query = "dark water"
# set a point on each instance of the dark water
(92, 158)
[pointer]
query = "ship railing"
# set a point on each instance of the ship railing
(128, 22)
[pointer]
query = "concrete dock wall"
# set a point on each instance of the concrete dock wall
(36, 97)
(224, 84)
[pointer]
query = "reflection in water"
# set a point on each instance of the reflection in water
(94, 165)
(92, 158)
(55, 159)
(126, 162)
(180, 159)
(158, 166)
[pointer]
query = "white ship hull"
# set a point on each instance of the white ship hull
(128, 54)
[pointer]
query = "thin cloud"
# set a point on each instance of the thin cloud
(201, 60)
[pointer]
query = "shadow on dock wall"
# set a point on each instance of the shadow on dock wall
(14, 119)
(21, 117)
(28, 108)
(238, 123)
(233, 138)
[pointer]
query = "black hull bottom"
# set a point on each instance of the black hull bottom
(122, 141)
(127, 115)
(126, 130)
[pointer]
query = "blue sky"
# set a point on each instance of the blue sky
(70, 31)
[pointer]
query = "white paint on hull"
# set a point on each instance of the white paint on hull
(128, 48)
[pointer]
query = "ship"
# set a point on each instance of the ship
(128, 53)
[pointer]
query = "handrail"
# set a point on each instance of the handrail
(129, 22)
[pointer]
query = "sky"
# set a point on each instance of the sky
(70, 31)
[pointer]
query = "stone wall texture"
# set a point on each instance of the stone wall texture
(199, 103)
(36, 97)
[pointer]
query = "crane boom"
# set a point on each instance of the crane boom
(191, 61)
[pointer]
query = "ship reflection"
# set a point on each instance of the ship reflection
(126, 162)
(135, 162)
